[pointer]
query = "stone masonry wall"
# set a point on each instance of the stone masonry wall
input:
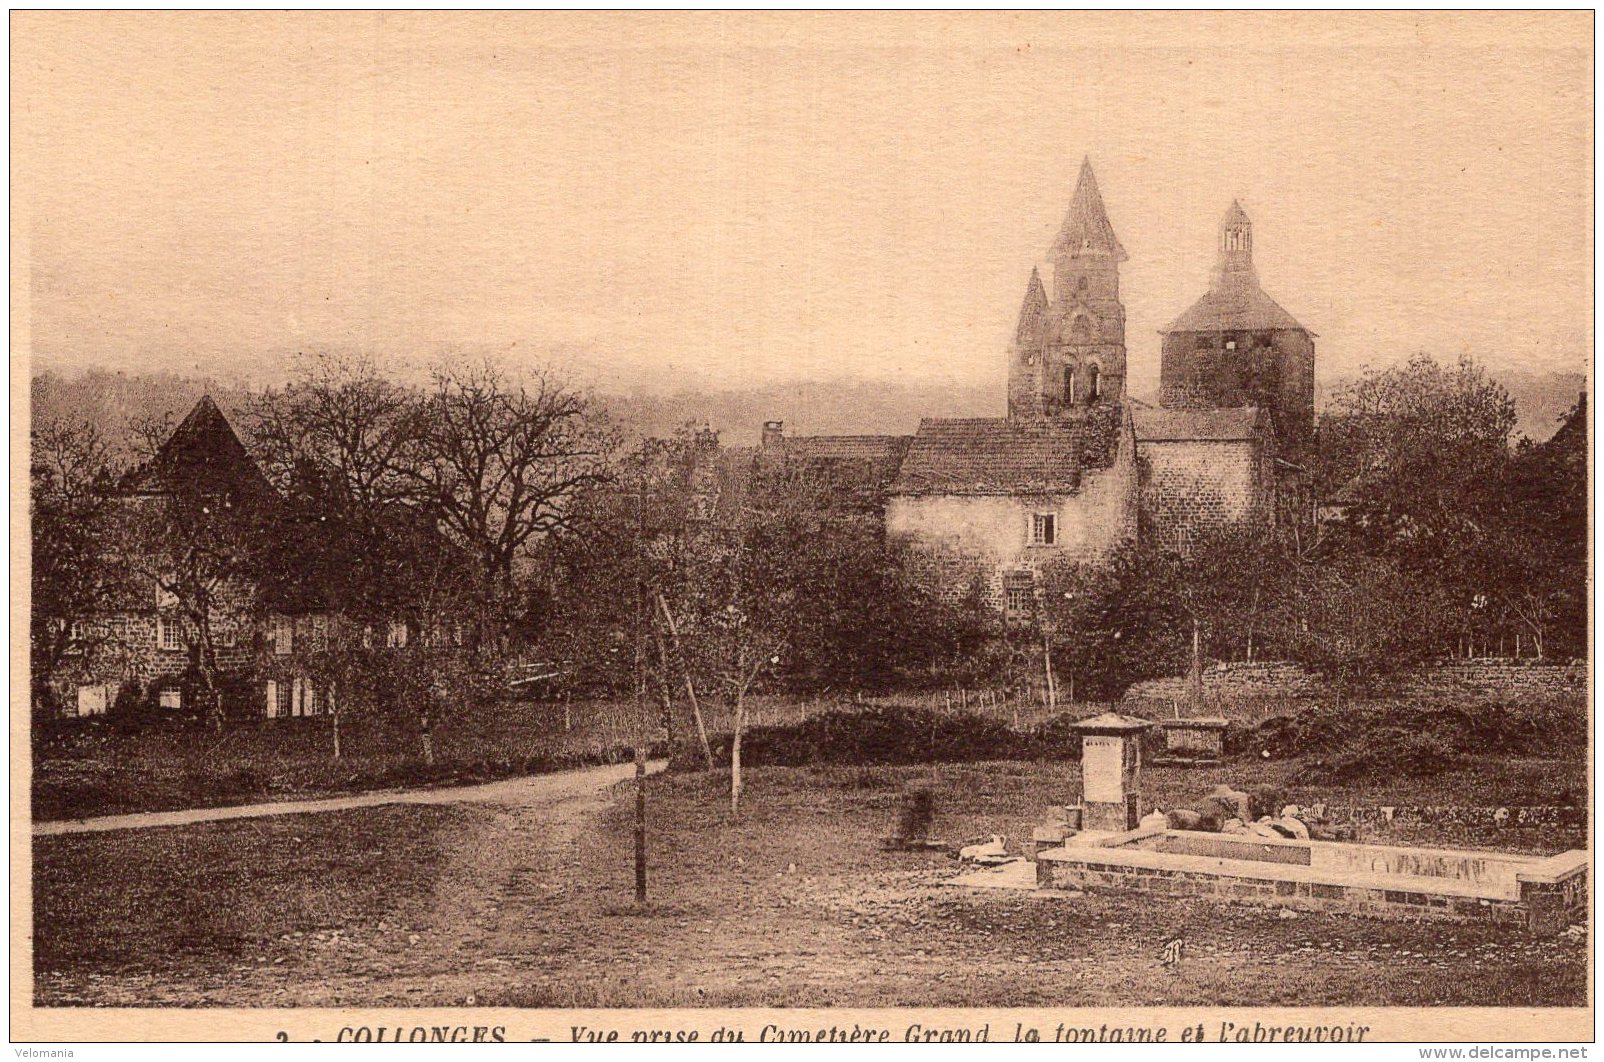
(1504, 678)
(1189, 487)
(1306, 895)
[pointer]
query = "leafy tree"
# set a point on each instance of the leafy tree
(71, 579)
(355, 539)
(1495, 537)
(1117, 622)
(1359, 618)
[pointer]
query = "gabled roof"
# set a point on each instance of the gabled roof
(1245, 309)
(203, 452)
(1086, 228)
(991, 455)
(1199, 425)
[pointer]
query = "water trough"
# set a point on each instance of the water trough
(1545, 894)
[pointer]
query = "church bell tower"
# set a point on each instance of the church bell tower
(1069, 349)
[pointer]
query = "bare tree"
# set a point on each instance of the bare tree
(344, 418)
(500, 460)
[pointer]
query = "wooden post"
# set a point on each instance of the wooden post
(1195, 678)
(640, 692)
(1047, 664)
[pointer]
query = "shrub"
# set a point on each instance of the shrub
(897, 735)
(1349, 742)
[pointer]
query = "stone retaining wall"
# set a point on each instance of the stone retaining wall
(1280, 680)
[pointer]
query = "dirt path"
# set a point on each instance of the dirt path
(513, 792)
(511, 871)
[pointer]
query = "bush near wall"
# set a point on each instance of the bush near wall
(897, 735)
(1350, 741)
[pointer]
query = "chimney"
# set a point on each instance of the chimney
(773, 434)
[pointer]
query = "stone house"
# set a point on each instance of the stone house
(215, 568)
(1202, 469)
(996, 498)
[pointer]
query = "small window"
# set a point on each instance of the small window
(1019, 595)
(1044, 529)
(283, 635)
(272, 699)
(367, 636)
(304, 698)
(169, 634)
(172, 699)
(320, 633)
(1069, 385)
(224, 636)
(396, 636)
(1230, 344)
(165, 598)
(1097, 383)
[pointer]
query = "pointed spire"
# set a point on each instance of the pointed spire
(1234, 268)
(1033, 314)
(1086, 230)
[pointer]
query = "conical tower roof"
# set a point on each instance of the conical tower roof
(1235, 216)
(1033, 314)
(1086, 229)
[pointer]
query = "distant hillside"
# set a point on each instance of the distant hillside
(840, 408)
(117, 400)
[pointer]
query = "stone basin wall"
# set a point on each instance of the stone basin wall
(1542, 895)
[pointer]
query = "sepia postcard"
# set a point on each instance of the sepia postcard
(1059, 527)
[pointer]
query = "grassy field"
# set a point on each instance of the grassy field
(94, 769)
(795, 904)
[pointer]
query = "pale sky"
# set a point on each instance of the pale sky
(659, 201)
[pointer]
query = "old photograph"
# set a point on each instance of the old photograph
(1054, 526)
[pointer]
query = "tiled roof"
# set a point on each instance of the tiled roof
(1212, 425)
(876, 448)
(991, 455)
(1245, 309)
